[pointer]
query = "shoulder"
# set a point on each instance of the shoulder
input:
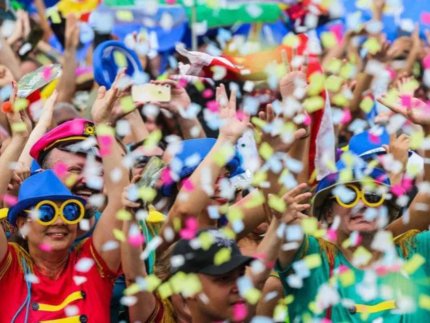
(16, 258)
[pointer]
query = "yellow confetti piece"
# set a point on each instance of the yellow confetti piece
(222, 256)
(291, 40)
(266, 151)
(424, 301)
(228, 233)
(177, 281)
(213, 4)
(124, 15)
(328, 40)
(372, 45)
(55, 16)
(20, 104)
(120, 59)
(277, 203)
(348, 71)
(313, 104)
(105, 130)
(119, 235)
(333, 83)
(316, 84)
(413, 264)
(348, 159)
(223, 155)
(123, 215)
(253, 295)
(366, 104)
(258, 122)
(132, 289)
(177, 224)
(259, 177)
(347, 278)
(257, 200)
(191, 285)
(19, 127)
(152, 282)
(71, 180)
(199, 85)
(127, 104)
(313, 261)
(340, 100)
(345, 175)
(153, 139)
(334, 66)
(309, 225)
(206, 240)
(416, 140)
(362, 255)
(234, 214)
(165, 290)
(147, 194)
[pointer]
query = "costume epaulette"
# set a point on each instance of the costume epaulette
(406, 241)
(329, 248)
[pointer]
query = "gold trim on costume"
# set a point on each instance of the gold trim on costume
(72, 319)
(370, 309)
(65, 139)
(55, 308)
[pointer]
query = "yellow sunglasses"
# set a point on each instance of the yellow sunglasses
(371, 199)
(71, 212)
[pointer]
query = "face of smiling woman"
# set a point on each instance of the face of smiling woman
(58, 236)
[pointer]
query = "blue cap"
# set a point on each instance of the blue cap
(105, 68)
(40, 187)
(361, 145)
(202, 147)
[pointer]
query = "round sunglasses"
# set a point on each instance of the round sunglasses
(355, 194)
(70, 211)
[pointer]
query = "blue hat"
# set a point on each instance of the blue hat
(39, 187)
(359, 175)
(361, 145)
(202, 147)
(35, 167)
(105, 68)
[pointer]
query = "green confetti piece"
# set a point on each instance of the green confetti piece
(222, 256)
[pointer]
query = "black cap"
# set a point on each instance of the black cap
(200, 260)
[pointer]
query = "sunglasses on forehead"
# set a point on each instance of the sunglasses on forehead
(353, 194)
(71, 212)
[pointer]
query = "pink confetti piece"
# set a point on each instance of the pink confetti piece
(426, 62)
(182, 82)
(337, 31)
(406, 100)
(425, 18)
(357, 241)
(188, 185)
(240, 115)
(407, 183)
(212, 106)
(208, 93)
(325, 320)
(397, 190)
(191, 226)
(374, 139)
(392, 72)
(45, 247)
(342, 269)
(239, 311)
(166, 177)
(105, 143)
(10, 199)
(46, 73)
(346, 117)
(170, 1)
(60, 169)
(307, 120)
(136, 240)
(331, 235)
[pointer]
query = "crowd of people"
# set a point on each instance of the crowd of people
(284, 184)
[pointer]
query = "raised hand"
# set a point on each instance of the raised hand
(234, 124)
(399, 148)
(278, 142)
(180, 98)
(102, 108)
(295, 77)
(72, 32)
(6, 76)
(125, 197)
(418, 111)
(48, 110)
(294, 208)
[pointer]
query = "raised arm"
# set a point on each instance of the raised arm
(132, 265)
(419, 218)
(20, 124)
(116, 176)
(231, 130)
(67, 84)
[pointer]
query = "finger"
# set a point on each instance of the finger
(269, 113)
(395, 107)
(136, 178)
(387, 148)
(285, 60)
(301, 216)
(300, 133)
(294, 191)
(302, 207)
(393, 137)
(232, 103)
(130, 204)
(301, 197)
(101, 93)
(295, 69)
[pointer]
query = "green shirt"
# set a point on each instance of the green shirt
(388, 292)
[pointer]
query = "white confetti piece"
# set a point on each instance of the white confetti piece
(110, 245)
(213, 212)
(128, 300)
(84, 225)
(79, 280)
(84, 265)
(116, 175)
(32, 279)
(96, 200)
(71, 310)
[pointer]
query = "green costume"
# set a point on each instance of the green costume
(390, 294)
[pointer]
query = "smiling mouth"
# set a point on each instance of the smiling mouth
(57, 235)
(85, 193)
